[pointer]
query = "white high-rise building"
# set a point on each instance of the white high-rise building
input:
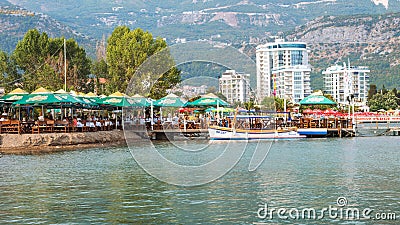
(283, 70)
(235, 86)
(344, 81)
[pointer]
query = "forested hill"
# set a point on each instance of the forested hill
(230, 21)
(362, 39)
(16, 21)
(372, 41)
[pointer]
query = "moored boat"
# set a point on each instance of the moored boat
(313, 132)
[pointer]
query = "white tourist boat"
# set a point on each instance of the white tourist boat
(251, 127)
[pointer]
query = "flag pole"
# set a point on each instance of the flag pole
(65, 65)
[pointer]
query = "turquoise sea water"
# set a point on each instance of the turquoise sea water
(106, 186)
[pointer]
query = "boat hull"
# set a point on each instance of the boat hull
(313, 131)
(221, 133)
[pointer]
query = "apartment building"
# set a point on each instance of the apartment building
(344, 81)
(235, 86)
(283, 70)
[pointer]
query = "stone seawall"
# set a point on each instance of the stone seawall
(50, 142)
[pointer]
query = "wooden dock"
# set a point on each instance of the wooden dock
(393, 132)
(172, 134)
(333, 128)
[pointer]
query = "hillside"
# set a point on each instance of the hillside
(372, 41)
(342, 36)
(231, 21)
(16, 21)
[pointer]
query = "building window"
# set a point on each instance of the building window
(296, 57)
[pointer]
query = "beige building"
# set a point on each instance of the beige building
(235, 86)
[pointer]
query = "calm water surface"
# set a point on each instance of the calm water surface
(106, 186)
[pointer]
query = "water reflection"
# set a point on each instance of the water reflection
(107, 186)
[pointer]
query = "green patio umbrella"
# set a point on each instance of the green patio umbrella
(14, 95)
(207, 101)
(118, 99)
(170, 100)
(317, 100)
(141, 101)
(86, 102)
(68, 99)
(39, 97)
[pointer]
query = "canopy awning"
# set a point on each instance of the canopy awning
(317, 100)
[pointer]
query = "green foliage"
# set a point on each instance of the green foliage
(150, 16)
(279, 104)
(8, 72)
(167, 81)
(100, 70)
(372, 91)
(249, 105)
(212, 89)
(383, 101)
(221, 96)
(40, 60)
(274, 104)
(126, 51)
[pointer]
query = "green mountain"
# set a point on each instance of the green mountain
(16, 21)
(223, 20)
(364, 32)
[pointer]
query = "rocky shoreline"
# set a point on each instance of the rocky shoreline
(53, 142)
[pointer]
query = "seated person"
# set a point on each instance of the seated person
(75, 122)
(79, 123)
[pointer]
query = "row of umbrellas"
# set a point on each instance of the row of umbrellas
(41, 96)
(172, 100)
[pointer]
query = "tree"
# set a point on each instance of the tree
(384, 90)
(372, 91)
(221, 96)
(100, 70)
(383, 101)
(269, 104)
(40, 58)
(126, 51)
(279, 104)
(249, 105)
(167, 81)
(212, 89)
(397, 94)
(8, 72)
(29, 56)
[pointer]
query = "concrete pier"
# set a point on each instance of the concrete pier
(50, 142)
